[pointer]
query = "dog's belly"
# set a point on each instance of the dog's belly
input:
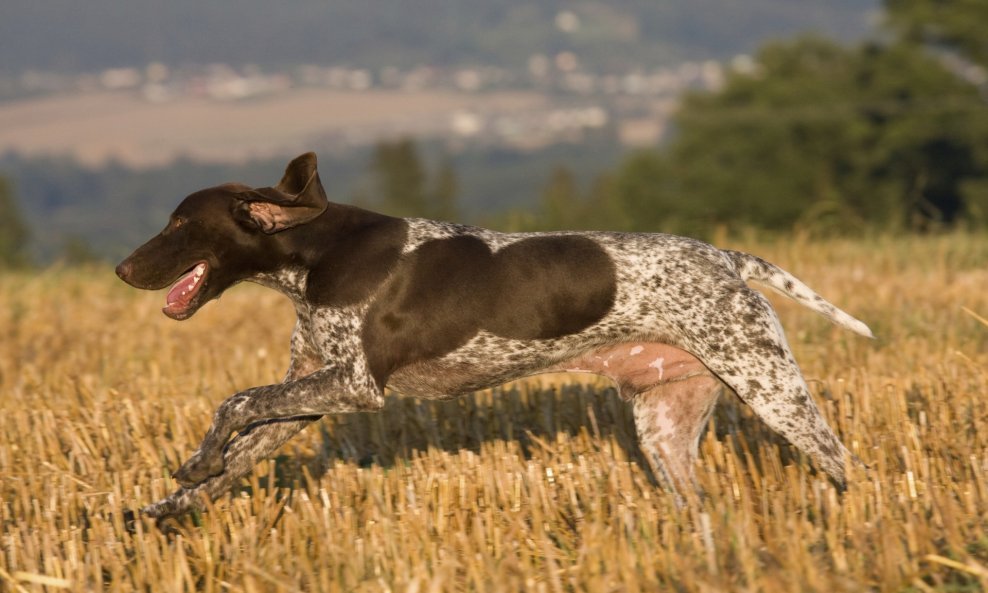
(634, 366)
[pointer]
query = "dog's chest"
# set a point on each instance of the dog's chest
(329, 337)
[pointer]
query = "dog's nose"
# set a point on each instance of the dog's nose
(124, 269)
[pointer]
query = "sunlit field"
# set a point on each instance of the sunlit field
(538, 486)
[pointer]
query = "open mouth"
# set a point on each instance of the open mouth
(181, 300)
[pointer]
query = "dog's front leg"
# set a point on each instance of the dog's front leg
(330, 390)
(251, 445)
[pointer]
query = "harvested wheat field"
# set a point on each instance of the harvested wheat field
(534, 487)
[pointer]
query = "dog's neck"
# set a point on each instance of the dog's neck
(336, 260)
(289, 281)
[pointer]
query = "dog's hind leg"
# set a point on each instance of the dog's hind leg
(670, 418)
(742, 342)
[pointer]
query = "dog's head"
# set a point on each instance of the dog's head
(224, 234)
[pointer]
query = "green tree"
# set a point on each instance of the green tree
(560, 202)
(602, 210)
(77, 251)
(956, 24)
(650, 196)
(821, 136)
(14, 232)
(401, 183)
(399, 178)
(445, 193)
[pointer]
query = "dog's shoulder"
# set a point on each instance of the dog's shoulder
(355, 254)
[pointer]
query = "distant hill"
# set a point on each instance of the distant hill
(67, 35)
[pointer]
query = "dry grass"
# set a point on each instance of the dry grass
(521, 489)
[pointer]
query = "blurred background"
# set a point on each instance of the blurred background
(702, 117)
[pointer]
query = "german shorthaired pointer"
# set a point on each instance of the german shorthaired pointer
(437, 310)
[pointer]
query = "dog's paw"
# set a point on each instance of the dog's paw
(163, 513)
(158, 510)
(198, 469)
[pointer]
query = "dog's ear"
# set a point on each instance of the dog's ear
(298, 198)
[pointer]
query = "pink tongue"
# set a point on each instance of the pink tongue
(175, 294)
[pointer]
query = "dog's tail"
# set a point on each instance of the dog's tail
(751, 267)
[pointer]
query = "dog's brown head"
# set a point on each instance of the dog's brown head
(222, 235)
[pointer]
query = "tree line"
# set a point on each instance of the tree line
(887, 135)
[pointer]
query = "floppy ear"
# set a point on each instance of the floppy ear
(298, 198)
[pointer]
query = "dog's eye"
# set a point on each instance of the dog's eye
(173, 224)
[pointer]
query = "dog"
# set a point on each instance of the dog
(437, 310)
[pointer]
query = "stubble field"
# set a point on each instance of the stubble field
(534, 487)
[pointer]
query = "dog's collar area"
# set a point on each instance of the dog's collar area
(178, 302)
